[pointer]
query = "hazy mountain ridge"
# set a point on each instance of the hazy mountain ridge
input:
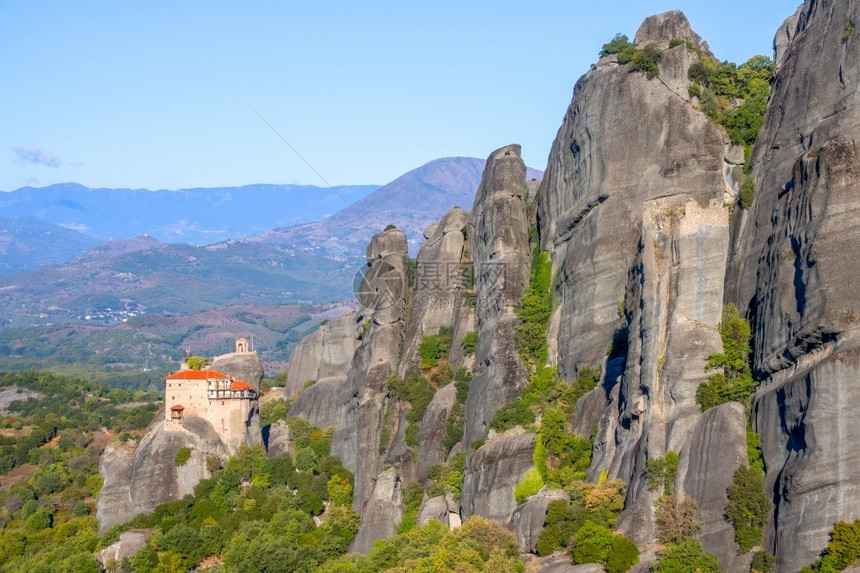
(195, 216)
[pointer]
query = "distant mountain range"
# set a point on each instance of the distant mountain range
(26, 242)
(193, 216)
(411, 202)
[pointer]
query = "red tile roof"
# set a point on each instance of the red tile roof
(195, 375)
(238, 386)
(178, 407)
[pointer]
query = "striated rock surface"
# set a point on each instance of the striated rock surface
(500, 251)
(324, 355)
(716, 448)
(793, 267)
(632, 209)
(491, 474)
(245, 367)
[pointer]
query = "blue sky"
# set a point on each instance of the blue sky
(166, 94)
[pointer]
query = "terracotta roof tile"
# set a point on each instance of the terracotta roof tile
(178, 407)
(195, 375)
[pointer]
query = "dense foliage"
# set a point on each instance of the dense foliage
(533, 310)
(435, 347)
(719, 86)
(478, 545)
(598, 504)
(735, 382)
(661, 472)
(50, 446)
(645, 60)
(685, 557)
(594, 543)
(842, 550)
(748, 507)
(677, 519)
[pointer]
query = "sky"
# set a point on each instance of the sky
(168, 95)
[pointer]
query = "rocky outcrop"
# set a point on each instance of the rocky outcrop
(364, 396)
(793, 268)
(130, 542)
(245, 367)
(500, 251)
(324, 355)
(382, 512)
(431, 449)
(632, 208)
(527, 519)
(491, 474)
(279, 439)
(715, 449)
(137, 479)
(439, 280)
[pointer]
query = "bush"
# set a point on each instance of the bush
(735, 383)
(676, 520)
(510, 415)
(647, 61)
(470, 341)
(843, 548)
(597, 544)
(196, 362)
(528, 486)
(685, 557)
(182, 457)
(661, 472)
(434, 347)
(621, 46)
(762, 562)
(534, 309)
(389, 227)
(748, 507)
(747, 194)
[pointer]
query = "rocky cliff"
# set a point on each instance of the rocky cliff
(639, 214)
(793, 268)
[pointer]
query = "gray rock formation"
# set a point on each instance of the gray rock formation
(280, 440)
(434, 508)
(137, 479)
(491, 474)
(382, 512)
(322, 404)
(500, 251)
(431, 450)
(324, 355)
(363, 399)
(716, 448)
(793, 267)
(632, 209)
(438, 285)
(245, 367)
(527, 519)
(130, 542)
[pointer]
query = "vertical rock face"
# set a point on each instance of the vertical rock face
(491, 474)
(627, 145)
(500, 251)
(324, 355)
(137, 479)
(632, 210)
(438, 285)
(363, 398)
(794, 268)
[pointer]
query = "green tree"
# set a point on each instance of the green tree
(197, 362)
(686, 557)
(748, 507)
